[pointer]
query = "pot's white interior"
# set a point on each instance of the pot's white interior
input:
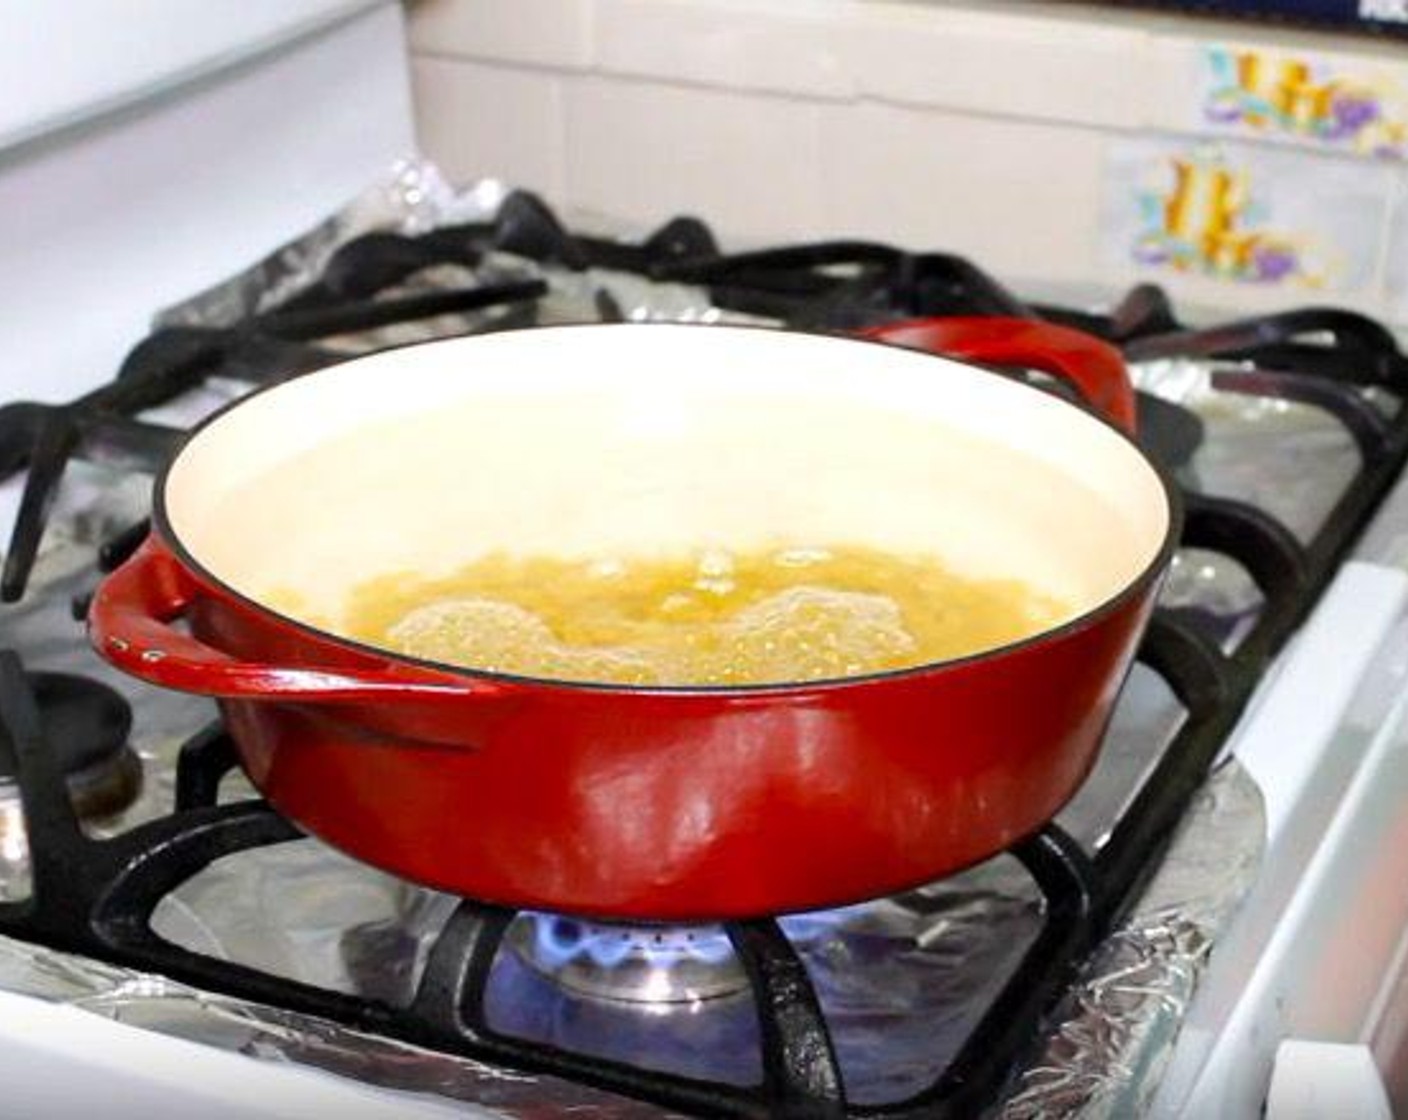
(636, 439)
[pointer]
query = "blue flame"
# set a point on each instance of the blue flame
(560, 940)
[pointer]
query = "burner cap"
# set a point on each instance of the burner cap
(85, 725)
(629, 964)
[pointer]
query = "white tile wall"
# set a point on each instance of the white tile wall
(643, 152)
(768, 45)
(533, 32)
(976, 185)
(981, 128)
(483, 121)
(1040, 68)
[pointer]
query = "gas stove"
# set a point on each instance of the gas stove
(135, 860)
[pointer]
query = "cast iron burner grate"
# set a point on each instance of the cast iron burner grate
(97, 896)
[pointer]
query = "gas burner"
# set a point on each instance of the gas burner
(629, 964)
(86, 725)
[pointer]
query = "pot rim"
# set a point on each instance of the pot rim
(1133, 589)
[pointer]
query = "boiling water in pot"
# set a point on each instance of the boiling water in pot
(711, 618)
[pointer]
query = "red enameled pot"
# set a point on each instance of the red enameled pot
(653, 803)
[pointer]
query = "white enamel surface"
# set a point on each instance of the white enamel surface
(636, 439)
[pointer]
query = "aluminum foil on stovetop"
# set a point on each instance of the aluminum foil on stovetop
(414, 199)
(155, 1003)
(1113, 1032)
(303, 911)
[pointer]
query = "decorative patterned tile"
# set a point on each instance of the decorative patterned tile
(1244, 213)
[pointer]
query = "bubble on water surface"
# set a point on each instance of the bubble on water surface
(812, 633)
(501, 637)
(803, 633)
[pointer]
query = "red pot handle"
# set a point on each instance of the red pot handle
(1092, 367)
(129, 623)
